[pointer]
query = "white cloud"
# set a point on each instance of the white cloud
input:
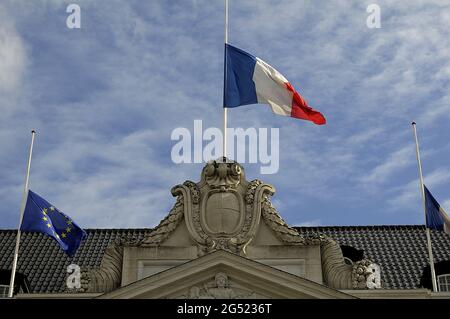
(12, 55)
(365, 136)
(129, 185)
(394, 162)
(137, 70)
(408, 196)
(311, 223)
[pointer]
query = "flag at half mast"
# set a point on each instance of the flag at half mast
(41, 216)
(437, 218)
(250, 80)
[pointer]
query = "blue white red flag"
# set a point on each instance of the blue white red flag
(437, 218)
(250, 80)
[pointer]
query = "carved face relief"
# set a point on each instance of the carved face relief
(221, 280)
(219, 288)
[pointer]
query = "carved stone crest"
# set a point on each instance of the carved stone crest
(222, 211)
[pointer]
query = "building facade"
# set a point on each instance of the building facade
(224, 239)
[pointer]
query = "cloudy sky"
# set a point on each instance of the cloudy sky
(105, 99)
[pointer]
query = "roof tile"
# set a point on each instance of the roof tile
(400, 251)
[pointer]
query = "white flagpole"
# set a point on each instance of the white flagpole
(422, 190)
(22, 210)
(225, 115)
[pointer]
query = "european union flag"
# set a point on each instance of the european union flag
(41, 216)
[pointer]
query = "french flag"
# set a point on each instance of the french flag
(250, 80)
(437, 218)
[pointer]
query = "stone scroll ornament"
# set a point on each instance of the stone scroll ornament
(223, 211)
(363, 274)
(107, 277)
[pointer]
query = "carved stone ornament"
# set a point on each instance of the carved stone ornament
(219, 288)
(223, 211)
(373, 281)
(337, 274)
(108, 276)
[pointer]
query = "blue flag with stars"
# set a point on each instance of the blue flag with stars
(41, 216)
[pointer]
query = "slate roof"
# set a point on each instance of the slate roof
(399, 250)
(45, 264)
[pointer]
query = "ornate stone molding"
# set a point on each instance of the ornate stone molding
(223, 190)
(219, 288)
(275, 222)
(108, 276)
(223, 211)
(222, 174)
(166, 226)
(339, 275)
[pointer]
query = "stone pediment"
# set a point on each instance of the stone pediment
(223, 275)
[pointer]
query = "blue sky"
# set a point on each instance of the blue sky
(105, 99)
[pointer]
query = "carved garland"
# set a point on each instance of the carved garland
(361, 273)
(195, 196)
(166, 226)
(283, 232)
